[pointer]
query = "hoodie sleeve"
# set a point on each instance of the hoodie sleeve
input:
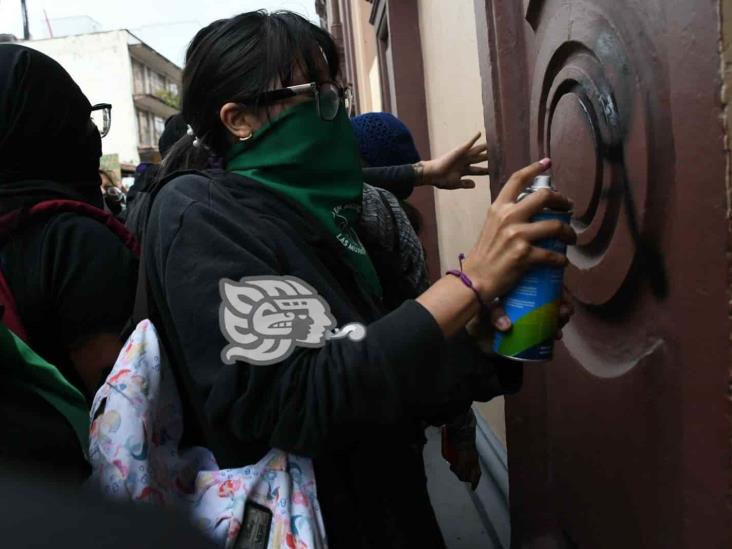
(398, 180)
(311, 400)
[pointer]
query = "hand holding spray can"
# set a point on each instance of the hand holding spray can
(533, 305)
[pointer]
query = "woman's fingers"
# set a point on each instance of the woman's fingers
(475, 170)
(452, 185)
(541, 256)
(478, 158)
(566, 308)
(542, 230)
(468, 146)
(479, 150)
(520, 180)
(499, 319)
(541, 200)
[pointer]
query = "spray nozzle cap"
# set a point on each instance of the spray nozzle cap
(542, 182)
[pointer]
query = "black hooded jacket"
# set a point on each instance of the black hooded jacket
(70, 276)
(49, 147)
(351, 405)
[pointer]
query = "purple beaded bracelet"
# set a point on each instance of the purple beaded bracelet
(465, 279)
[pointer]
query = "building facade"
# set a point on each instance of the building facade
(623, 440)
(141, 85)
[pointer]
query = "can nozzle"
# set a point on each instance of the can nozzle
(542, 182)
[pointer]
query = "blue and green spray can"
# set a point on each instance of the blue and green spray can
(533, 305)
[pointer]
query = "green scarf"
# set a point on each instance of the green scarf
(315, 163)
(27, 369)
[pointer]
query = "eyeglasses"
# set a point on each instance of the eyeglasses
(328, 97)
(101, 116)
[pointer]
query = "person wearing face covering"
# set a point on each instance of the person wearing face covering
(71, 277)
(233, 258)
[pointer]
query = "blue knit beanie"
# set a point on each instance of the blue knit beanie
(384, 140)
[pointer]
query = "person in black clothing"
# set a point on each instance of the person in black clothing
(392, 162)
(261, 96)
(389, 232)
(72, 279)
(147, 174)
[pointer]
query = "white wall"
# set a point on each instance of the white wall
(455, 113)
(367, 63)
(100, 64)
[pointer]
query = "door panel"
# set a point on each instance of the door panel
(622, 440)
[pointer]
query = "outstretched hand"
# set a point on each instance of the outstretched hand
(448, 170)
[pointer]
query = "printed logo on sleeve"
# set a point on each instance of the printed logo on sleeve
(264, 318)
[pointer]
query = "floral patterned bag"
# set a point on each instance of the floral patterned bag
(136, 428)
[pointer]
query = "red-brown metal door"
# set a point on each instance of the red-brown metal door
(622, 441)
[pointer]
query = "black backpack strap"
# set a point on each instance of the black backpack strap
(19, 220)
(142, 307)
(151, 304)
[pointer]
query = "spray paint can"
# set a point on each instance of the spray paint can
(533, 305)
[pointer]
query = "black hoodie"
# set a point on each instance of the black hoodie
(49, 147)
(353, 406)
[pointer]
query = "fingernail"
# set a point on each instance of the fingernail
(503, 323)
(545, 162)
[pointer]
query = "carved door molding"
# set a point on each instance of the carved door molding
(622, 441)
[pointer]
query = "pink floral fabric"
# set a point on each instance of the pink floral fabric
(135, 431)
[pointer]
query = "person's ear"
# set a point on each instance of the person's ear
(237, 121)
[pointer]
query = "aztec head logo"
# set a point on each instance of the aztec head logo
(264, 318)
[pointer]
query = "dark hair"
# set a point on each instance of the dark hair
(175, 128)
(237, 60)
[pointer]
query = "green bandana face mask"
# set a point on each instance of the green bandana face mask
(315, 163)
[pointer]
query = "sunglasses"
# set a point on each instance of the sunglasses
(101, 117)
(328, 97)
